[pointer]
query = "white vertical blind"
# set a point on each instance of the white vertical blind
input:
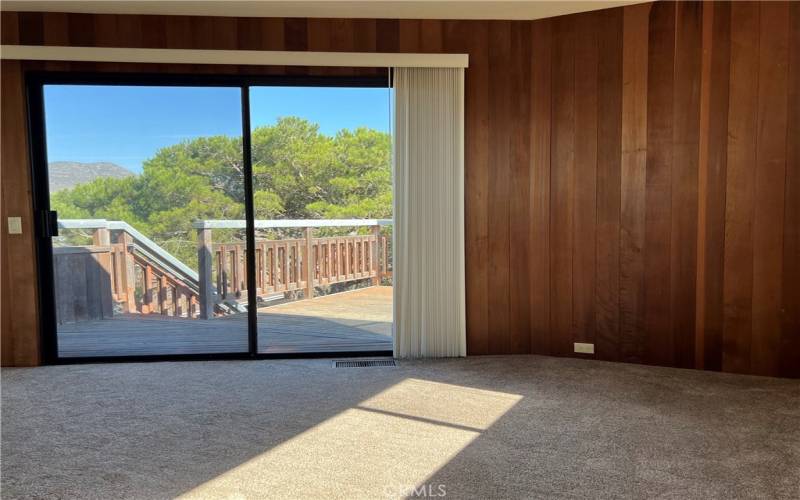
(429, 303)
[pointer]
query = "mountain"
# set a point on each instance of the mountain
(68, 174)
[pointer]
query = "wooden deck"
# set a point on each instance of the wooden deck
(360, 320)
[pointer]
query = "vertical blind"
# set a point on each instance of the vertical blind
(429, 304)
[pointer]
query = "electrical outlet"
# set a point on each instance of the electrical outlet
(15, 225)
(584, 348)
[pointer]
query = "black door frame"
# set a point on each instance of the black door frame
(44, 223)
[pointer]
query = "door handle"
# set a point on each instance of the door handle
(49, 223)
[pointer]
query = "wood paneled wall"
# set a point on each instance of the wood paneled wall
(18, 312)
(632, 174)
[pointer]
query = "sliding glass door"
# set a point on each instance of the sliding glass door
(211, 216)
(131, 170)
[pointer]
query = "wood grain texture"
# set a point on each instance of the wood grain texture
(740, 190)
(770, 175)
(632, 181)
(584, 188)
(562, 182)
(686, 147)
(539, 214)
(631, 175)
(658, 183)
(790, 329)
(20, 315)
(711, 185)
(609, 182)
(498, 257)
(519, 203)
(476, 178)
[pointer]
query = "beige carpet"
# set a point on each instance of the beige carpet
(484, 427)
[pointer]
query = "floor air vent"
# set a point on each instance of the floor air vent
(364, 363)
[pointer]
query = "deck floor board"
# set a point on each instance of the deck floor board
(359, 320)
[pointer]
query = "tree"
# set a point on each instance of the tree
(298, 173)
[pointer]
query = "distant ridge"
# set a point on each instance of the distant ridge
(68, 174)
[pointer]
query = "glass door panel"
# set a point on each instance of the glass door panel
(134, 171)
(322, 187)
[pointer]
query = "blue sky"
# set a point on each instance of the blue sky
(127, 125)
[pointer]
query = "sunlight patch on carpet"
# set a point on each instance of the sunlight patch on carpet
(380, 448)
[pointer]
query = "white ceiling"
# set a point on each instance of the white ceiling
(391, 9)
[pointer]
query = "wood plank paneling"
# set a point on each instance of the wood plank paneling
(584, 188)
(31, 28)
(711, 185)
(519, 203)
(770, 175)
(539, 215)
(609, 181)
(633, 168)
(500, 128)
(658, 183)
(790, 331)
(9, 28)
(20, 315)
(476, 180)
(631, 177)
(686, 127)
(562, 182)
(740, 191)
(387, 38)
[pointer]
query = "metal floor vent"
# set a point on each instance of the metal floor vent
(364, 363)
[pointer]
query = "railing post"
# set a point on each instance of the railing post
(204, 260)
(127, 272)
(101, 237)
(373, 256)
(239, 281)
(147, 307)
(163, 291)
(181, 302)
(385, 254)
(309, 263)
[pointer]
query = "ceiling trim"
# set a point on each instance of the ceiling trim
(523, 10)
(234, 57)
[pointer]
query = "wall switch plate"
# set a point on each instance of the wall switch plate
(15, 225)
(584, 348)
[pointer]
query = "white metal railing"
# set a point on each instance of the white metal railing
(290, 223)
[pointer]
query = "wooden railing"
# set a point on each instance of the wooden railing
(162, 290)
(281, 264)
(284, 265)
(114, 272)
(133, 274)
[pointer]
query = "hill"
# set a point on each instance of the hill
(68, 174)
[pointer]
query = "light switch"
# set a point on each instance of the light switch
(15, 225)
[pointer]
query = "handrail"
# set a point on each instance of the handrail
(153, 247)
(82, 224)
(287, 223)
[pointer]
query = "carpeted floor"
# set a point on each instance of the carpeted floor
(482, 427)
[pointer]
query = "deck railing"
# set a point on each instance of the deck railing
(119, 262)
(285, 265)
(126, 268)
